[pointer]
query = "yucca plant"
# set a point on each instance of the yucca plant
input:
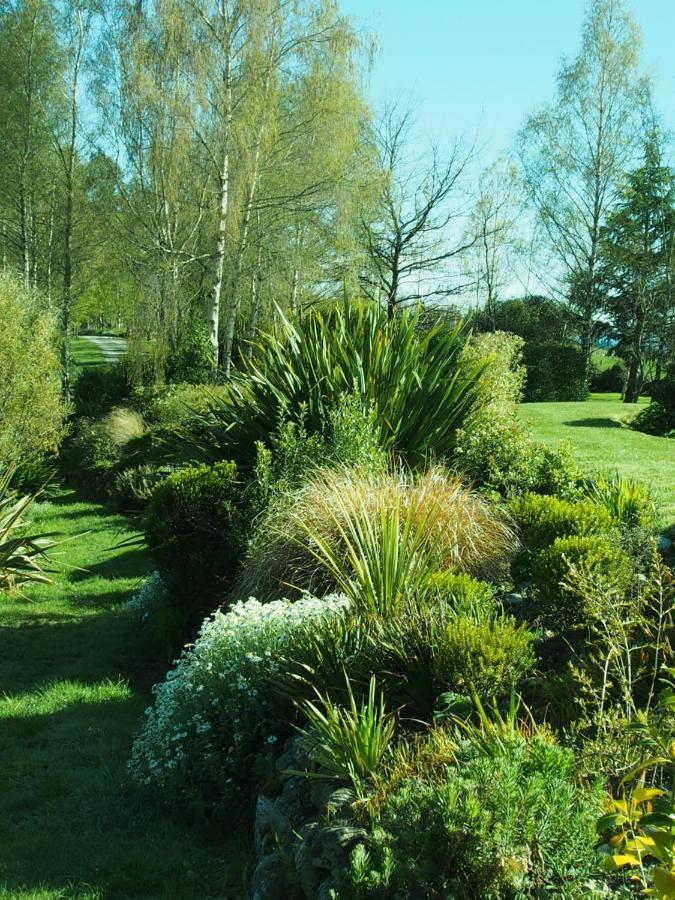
(627, 501)
(413, 378)
(21, 555)
(348, 742)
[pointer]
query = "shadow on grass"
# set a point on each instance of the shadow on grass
(131, 563)
(77, 827)
(593, 423)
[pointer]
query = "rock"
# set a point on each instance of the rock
(299, 788)
(331, 845)
(326, 890)
(294, 758)
(339, 803)
(513, 599)
(665, 544)
(270, 879)
(262, 827)
(320, 792)
(308, 876)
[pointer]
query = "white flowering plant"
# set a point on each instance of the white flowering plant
(215, 714)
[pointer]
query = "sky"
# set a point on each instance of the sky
(478, 67)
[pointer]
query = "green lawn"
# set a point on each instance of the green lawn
(84, 353)
(602, 441)
(75, 672)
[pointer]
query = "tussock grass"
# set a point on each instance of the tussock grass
(382, 533)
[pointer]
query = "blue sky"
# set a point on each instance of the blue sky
(479, 66)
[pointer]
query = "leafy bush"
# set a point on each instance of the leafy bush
(132, 488)
(466, 595)
(542, 519)
(555, 372)
(178, 404)
(655, 419)
(505, 825)
(216, 713)
(610, 381)
(498, 454)
(196, 531)
(504, 376)
(377, 535)
(33, 411)
(89, 456)
(489, 657)
(350, 438)
(561, 603)
(192, 360)
(97, 389)
(412, 378)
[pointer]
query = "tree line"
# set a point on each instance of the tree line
(184, 169)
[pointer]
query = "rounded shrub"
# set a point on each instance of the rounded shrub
(543, 518)
(196, 530)
(561, 604)
(464, 594)
(488, 657)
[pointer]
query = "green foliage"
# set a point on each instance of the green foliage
(504, 376)
(555, 372)
(21, 555)
(350, 438)
(191, 362)
(465, 595)
(610, 380)
(97, 389)
(120, 426)
(411, 378)
(132, 488)
(488, 657)
(655, 419)
(628, 502)
(512, 824)
(348, 742)
(89, 456)
(33, 412)
(377, 535)
(497, 453)
(196, 531)
(560, 601)
(542, 519)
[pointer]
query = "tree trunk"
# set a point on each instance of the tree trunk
(256, 301)
(213, 309)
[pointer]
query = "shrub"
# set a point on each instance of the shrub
(555, 372)
(192, 361)
(196, 531)
(499, 455)
(179, 404)
(464, 594)
(33, 411)
(489, 657)
(655, 419)
(216, 713)
(382, 533)
(350, 438)
(610, 381)
(504, 376)
(89, 456)
(133, 488)
(510, 824)
(561, 604)
(412, 378)
(97, 389)
(542, 519)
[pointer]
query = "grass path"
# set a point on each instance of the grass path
(602, 441)
(74, 681)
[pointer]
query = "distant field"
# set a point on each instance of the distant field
(602, 442)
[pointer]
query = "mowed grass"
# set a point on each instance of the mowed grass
(84, 353)
(75, 672)
(603, 442)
